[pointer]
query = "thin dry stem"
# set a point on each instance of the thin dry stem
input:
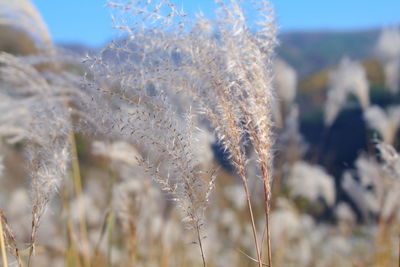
(78, 191)
(253, 226)
(10, 240)
(200, 244)
(267, 192)
(269, 259)
(3, 245)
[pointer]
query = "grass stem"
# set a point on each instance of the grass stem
(3, 245)
(200, 244)
(78, 191)
(253, 226)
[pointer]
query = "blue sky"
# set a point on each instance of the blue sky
(88, 21)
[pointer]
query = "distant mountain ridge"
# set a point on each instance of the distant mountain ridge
(309, 52)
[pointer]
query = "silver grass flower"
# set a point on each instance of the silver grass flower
(312, 183)
(388, 52)
(288, 231)
(386, 122)
(391, 159)
(155, 126)
(365, 200)
(348, 78)
(23, 15)
(227, 74)
(391, 166)
(290, 138)
(234, 86)
(48, 157)
(23, 87)
(201, 62)
(378, 189)
(368, 171)
(344, 213)
(285, 80)
(140, 111)
(36, 110)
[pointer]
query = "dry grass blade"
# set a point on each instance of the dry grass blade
(251, 258)
(9, 240)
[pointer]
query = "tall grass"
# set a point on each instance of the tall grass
(227, 76)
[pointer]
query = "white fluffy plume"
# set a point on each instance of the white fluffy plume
(285, 79)
(23, 15)
(348, 78)
(385, 122)
(312, 183)
(388, 52)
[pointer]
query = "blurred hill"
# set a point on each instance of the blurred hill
(312, 88)
(309, 52)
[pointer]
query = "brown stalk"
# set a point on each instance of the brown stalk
(10, 240)
(250, 209)
(266, 198)
(238, 157)
(200, 244)
(2, 244)
(257, 144)
(36, 216)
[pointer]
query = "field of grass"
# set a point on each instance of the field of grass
(196, 142)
